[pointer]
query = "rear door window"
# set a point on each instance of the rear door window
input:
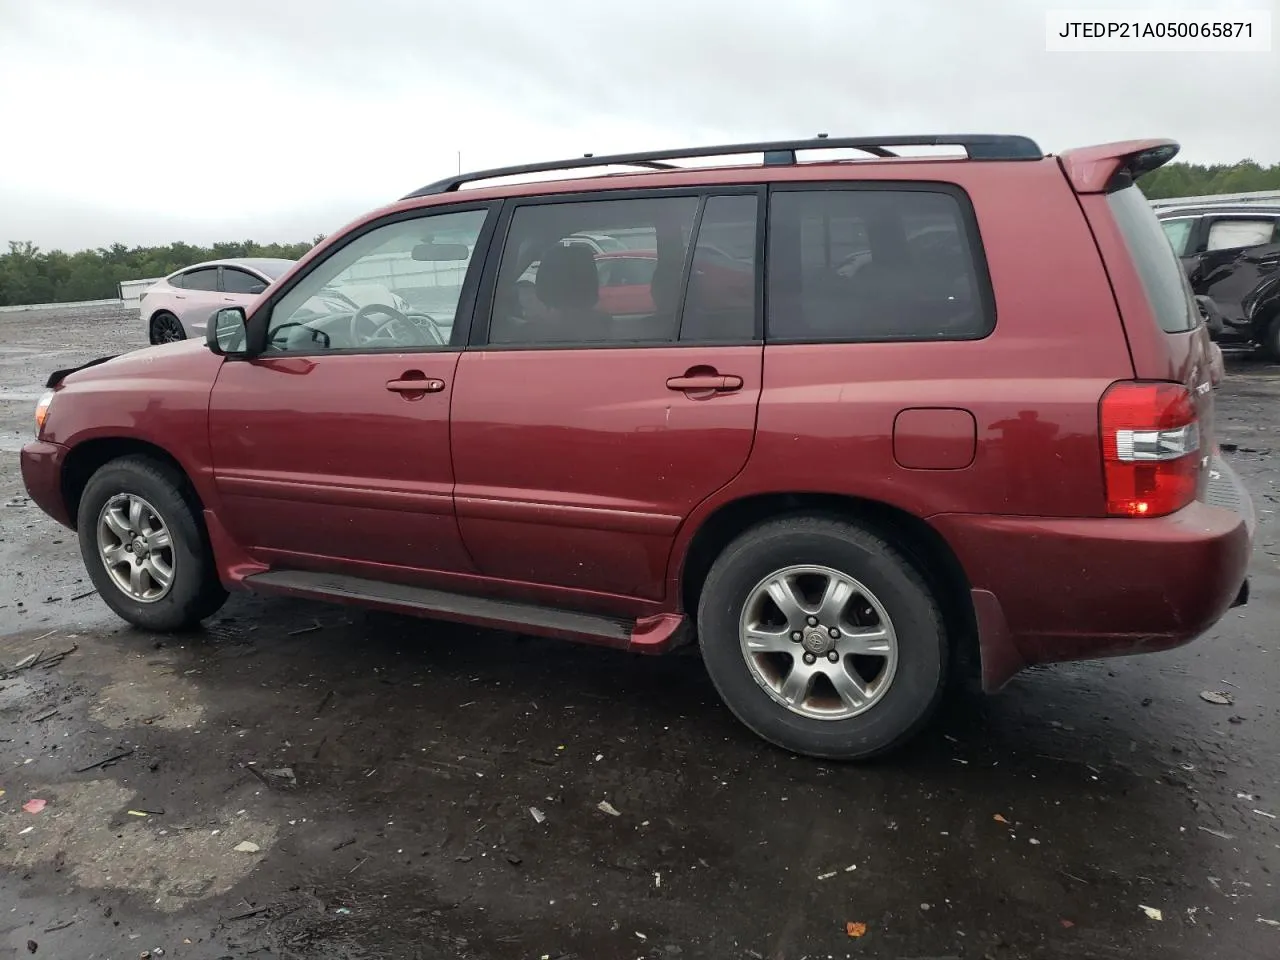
(1234, 233)
(857, 264)
(205, 278)
(241, 281)
(1162, 276)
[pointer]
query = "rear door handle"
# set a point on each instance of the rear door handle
(716, 382)
(415, 385)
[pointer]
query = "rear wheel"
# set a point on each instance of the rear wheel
(145, 548)
(1271, 340)
(822, 638)
(166, 328)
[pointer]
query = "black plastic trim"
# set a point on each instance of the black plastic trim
(58, 376)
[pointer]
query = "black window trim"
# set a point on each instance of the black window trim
(973, 236)
(479, 339)
(259, 320)
(213, 268)
(236, 268)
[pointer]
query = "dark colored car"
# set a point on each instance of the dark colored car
(964, 417)
(1231, 253)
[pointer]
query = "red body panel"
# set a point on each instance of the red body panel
(579, 477)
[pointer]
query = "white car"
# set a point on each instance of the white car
(179, 306)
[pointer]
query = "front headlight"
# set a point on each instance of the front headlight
(42, 410)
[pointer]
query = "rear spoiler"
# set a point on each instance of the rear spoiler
(1110, 166)
(58, 376)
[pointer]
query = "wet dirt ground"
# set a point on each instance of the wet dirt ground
(305, 781)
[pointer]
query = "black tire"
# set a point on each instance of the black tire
(165, 321)
(922, 646)
(1271, 340)
(195, 591)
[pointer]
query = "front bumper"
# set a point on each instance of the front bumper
(1049, 589)
(42, 476)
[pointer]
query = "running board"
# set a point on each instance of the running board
(648, 634)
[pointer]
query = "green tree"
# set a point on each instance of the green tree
(31, 275)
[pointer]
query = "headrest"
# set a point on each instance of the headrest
(567, 277)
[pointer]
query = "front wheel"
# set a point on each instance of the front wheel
(822, 638)
(145, 548)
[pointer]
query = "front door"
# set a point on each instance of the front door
(331, 449)
(585, 430)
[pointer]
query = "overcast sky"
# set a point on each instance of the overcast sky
(147, 121)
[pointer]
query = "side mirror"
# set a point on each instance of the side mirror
(227, 333)
(440, 252)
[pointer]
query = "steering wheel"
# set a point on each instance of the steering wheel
(395, 331)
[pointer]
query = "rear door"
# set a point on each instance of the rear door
(583, 436)
(198, 298)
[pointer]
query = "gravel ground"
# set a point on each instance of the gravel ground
(305, 781)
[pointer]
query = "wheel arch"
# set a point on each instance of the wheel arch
(87, 457)
(923, 546)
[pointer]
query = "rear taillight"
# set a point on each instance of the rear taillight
(1150, 448)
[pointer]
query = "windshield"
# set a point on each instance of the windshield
(275, 269)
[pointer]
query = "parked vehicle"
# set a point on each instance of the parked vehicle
(179, 305)
(1231, 253)
(916, 446)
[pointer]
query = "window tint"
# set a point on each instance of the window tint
(863, 265)
(626, 271)
(1162, 275)
(549, 288)
(1230, 234)
(1179, 232)
(396, 287)
(720, 302)
(240, 281)
(205, 278)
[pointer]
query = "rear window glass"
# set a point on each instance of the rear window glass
(857, 264)
(1161, 273)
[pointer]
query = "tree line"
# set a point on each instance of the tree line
(31, 275)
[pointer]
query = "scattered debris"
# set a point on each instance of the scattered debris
(301, 630)
(1151, 912)
(343, 911)
(247, 846)
(45, 716)
(1217, 833)
(32, 946)
(514, 859)
(855, 930)
(1034, 842)
(324, 702)
(604, 806)
(850, 868)
(108, 761)
(1214, 696)
(27, 830)
(343, 843)
(83, 596)
(999, 818)
(60, 926)
(1066, 924)
(247, 914)
(538, 815)
(1269, 923)
(34, 806)
(657, 879)
(1263, 813)
(827, 876)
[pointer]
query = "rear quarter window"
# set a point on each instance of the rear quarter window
(1162, 275)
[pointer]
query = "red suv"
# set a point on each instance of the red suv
(961, 411)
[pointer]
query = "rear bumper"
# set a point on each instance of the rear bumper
(42, 476)
(1047, 590)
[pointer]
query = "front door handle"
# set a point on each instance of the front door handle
(698, 382)
(409, 384)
